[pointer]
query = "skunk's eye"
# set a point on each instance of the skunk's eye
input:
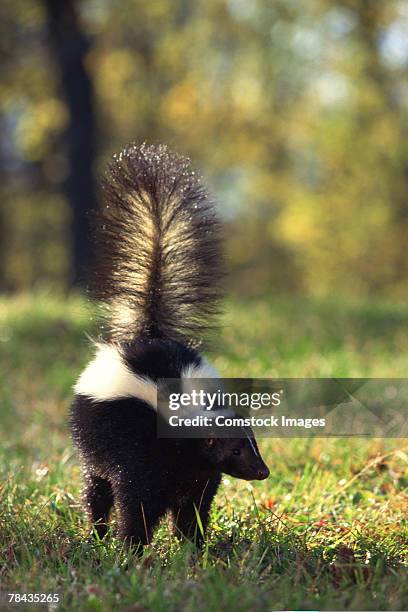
(236, 451)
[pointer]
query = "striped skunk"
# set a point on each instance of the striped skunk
(158, 273)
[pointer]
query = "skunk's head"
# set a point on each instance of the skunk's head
(238, 457)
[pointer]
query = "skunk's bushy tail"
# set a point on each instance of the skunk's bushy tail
(159, 258)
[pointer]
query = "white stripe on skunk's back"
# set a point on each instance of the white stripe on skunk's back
(107, 377)
(201, 370)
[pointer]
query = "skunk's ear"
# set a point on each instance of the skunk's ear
(209, 442)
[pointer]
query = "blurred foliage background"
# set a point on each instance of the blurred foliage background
(296, 112)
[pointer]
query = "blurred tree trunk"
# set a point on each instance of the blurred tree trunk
(69, 45)
(4, 249)
(370, 28)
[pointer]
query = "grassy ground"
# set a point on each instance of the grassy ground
(327, 531)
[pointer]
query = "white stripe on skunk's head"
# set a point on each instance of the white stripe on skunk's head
(107, 377)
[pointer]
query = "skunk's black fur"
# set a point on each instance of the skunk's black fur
(159, 275)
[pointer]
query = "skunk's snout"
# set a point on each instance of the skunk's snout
(262, 473)
(254, 470)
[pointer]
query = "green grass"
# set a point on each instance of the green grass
(327, 530)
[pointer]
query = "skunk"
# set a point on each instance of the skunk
(158, 274)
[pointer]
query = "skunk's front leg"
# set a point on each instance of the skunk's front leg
(198, 502)
(138, 514)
